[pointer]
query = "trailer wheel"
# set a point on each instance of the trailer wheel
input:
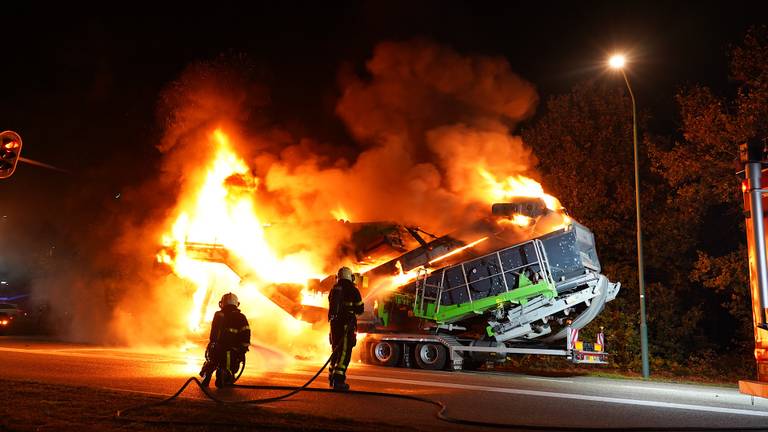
(430, 356)
(385, 353)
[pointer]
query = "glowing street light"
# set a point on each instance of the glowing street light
(618, 62)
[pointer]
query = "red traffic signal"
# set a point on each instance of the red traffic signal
(10, 150)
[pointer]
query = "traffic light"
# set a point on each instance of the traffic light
(10, 150)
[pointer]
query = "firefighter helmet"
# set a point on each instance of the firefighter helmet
(229, 299)
(344, 273)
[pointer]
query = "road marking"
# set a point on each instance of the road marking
(461, 386)
(590, 398)
(709, 394)
(549, 379)
(658, 389)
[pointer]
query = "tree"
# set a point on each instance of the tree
(584, 142)
(699, 170)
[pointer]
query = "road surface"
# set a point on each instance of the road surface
(486, 396)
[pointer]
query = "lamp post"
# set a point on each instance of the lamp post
(617, 62)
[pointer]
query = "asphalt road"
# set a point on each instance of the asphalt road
(486, 396)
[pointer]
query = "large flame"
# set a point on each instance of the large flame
(223, 213)
(522, 186)
(340, 214)
(516, 186)
(226, 215)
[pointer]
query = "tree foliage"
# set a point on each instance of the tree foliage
(696, 268)
(585, 138)
(700, 171)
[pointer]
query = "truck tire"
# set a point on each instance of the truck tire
(385, 353)
(430, 356)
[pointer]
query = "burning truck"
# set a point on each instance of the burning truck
(452, 303)
(522, 278)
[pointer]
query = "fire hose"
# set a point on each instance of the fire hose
(440, 414)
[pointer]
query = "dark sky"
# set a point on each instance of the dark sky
(82, 90)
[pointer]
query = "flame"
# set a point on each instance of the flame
(458, 250)
(222, 215)
(225, 214)
(403, 278)
(516, 186)
(340, 215)
(566, 221)
(314, 298)
(518, 220)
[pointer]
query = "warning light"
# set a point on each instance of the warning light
(743, 187)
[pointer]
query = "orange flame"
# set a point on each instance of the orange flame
(223, 211)
(518, 220)
(516, 186)
(403, 278)
(314, 298)
(223, 215)
(340, 215)
(459, 250)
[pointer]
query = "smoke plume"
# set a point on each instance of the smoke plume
(425, 119)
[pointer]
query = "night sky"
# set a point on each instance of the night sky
(83, 90)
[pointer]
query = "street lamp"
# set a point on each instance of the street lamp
(618, 62)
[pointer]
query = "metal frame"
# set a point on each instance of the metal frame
(540, 308)
(423, 274)
(754, 178)
(455, 347)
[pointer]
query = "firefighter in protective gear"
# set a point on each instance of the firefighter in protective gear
(344, 304)
(229, 341)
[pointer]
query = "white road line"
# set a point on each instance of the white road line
(549, 379)
(569, 396)
(707, 394)
(659, 389)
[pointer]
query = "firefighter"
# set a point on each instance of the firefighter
(344, 304)
(229, 341)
